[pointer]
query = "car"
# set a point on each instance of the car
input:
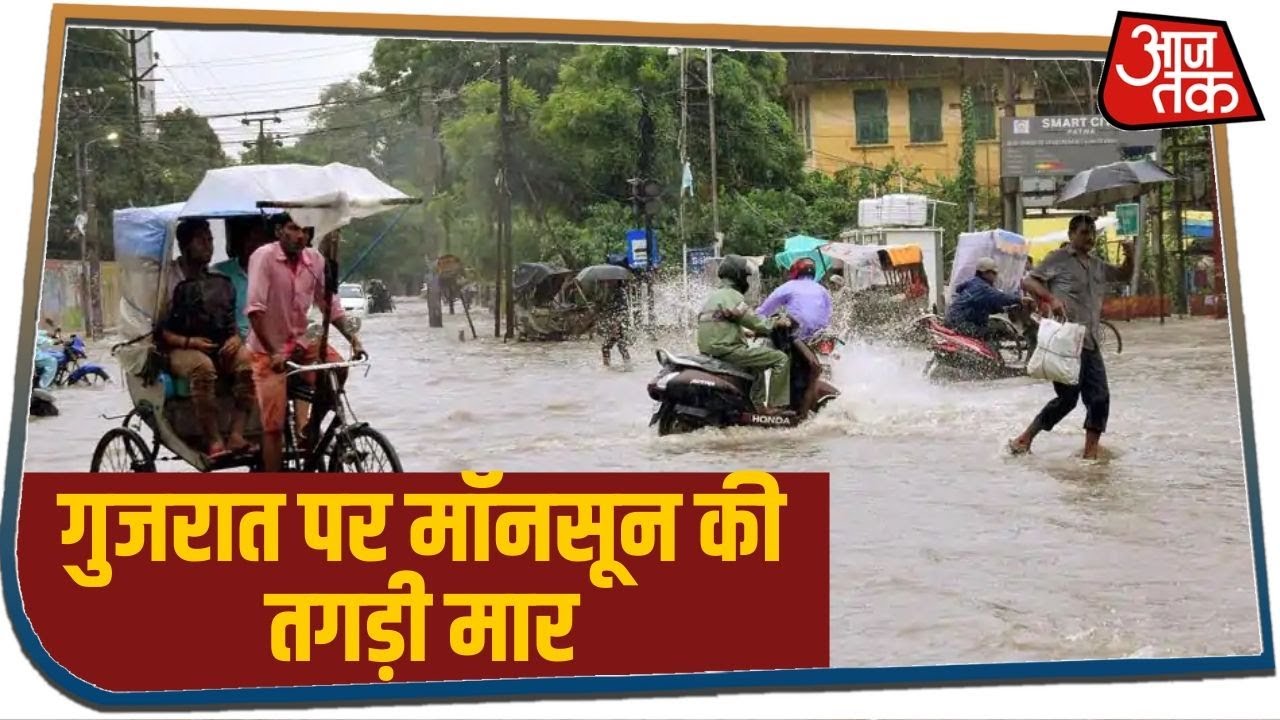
(353, 298)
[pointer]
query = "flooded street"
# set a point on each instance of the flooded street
(944, 549)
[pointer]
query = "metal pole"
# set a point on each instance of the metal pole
(711, 127)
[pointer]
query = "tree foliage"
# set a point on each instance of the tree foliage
(130, 171)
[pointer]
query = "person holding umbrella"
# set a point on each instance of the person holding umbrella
(1073, 282)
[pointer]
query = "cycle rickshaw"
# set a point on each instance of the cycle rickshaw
(324, 198)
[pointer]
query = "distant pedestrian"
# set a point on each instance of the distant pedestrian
(613, 320)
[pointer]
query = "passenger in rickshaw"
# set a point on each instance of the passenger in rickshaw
(286, 278)
(198, 331)
(976, 299)
(243, 239)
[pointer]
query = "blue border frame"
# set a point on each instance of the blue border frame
(594, 687)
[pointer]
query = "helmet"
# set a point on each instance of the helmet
(735, 269)
(804, 267)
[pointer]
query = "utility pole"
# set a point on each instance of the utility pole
(430, 172)
(1010, 186)
(90, 252)
(647, 189)
(711, 127)
(504, 187)
(261, 142)
(1219, 276)
(684, 160)
(1178, 186)
(135, 78)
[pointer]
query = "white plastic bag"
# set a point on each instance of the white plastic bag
(1057, 354)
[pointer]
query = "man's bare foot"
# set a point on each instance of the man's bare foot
(1019, 446)
(1091, 439)
(237, 444)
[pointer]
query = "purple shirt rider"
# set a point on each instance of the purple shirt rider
(806, 301)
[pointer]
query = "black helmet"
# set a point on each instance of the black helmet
(736, 270)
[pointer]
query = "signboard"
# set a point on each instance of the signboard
(637, 249)
(1063, 145)
(639, 253)
(698, 257)
(1127, 219)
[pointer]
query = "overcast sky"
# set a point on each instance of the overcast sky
(215, 72)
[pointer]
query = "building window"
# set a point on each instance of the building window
(871, 117)
(925, 105)
(984, 114)
(803, 122)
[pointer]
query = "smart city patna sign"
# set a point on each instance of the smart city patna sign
(1063, 145)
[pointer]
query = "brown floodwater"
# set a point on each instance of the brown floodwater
(943, 548)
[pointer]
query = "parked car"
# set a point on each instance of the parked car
(353, 298)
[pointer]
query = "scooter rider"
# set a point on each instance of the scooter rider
(976, 299)
(720, 326)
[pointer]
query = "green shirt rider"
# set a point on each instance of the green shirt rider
(720, 335)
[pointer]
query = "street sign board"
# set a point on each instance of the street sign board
(1128, 218)
(639, 253)
(1063, 145)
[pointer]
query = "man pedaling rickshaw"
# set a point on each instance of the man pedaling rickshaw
(976, 300)
(720, 335)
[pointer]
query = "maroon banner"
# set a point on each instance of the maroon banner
(182, 582)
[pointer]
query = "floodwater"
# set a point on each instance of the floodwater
(944, 549)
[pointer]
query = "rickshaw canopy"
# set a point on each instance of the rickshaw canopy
(324, 197)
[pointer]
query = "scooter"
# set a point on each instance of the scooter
(961, 357)
(697, 391)
(70, 368)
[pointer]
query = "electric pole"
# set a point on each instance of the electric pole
(504, 188)
(261, 142)
(684, 160)
(1010, 187)
(135, 78)
(711, 126)
(430, 173)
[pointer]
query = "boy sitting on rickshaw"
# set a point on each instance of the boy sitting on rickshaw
(199, 332)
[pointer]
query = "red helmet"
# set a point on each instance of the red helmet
(804, 267)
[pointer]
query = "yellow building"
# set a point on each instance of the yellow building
(871, 110)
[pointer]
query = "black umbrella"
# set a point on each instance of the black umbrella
(1113, 183)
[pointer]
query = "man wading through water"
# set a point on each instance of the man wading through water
(1073, 281)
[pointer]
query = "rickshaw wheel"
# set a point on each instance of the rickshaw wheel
(122, 450)
(364, 450)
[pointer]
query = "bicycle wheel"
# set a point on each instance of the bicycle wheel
(122, 450)
(1109, 339)
(363, 450)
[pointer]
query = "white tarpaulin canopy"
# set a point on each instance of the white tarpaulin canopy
(862, 268)
(1008, 250)
(323, 197)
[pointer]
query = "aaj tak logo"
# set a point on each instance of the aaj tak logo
(1164, 72)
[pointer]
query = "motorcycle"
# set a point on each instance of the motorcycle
(961, 357)
(72, 370)
(697, 391)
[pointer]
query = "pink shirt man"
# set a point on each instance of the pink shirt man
(284, 294)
